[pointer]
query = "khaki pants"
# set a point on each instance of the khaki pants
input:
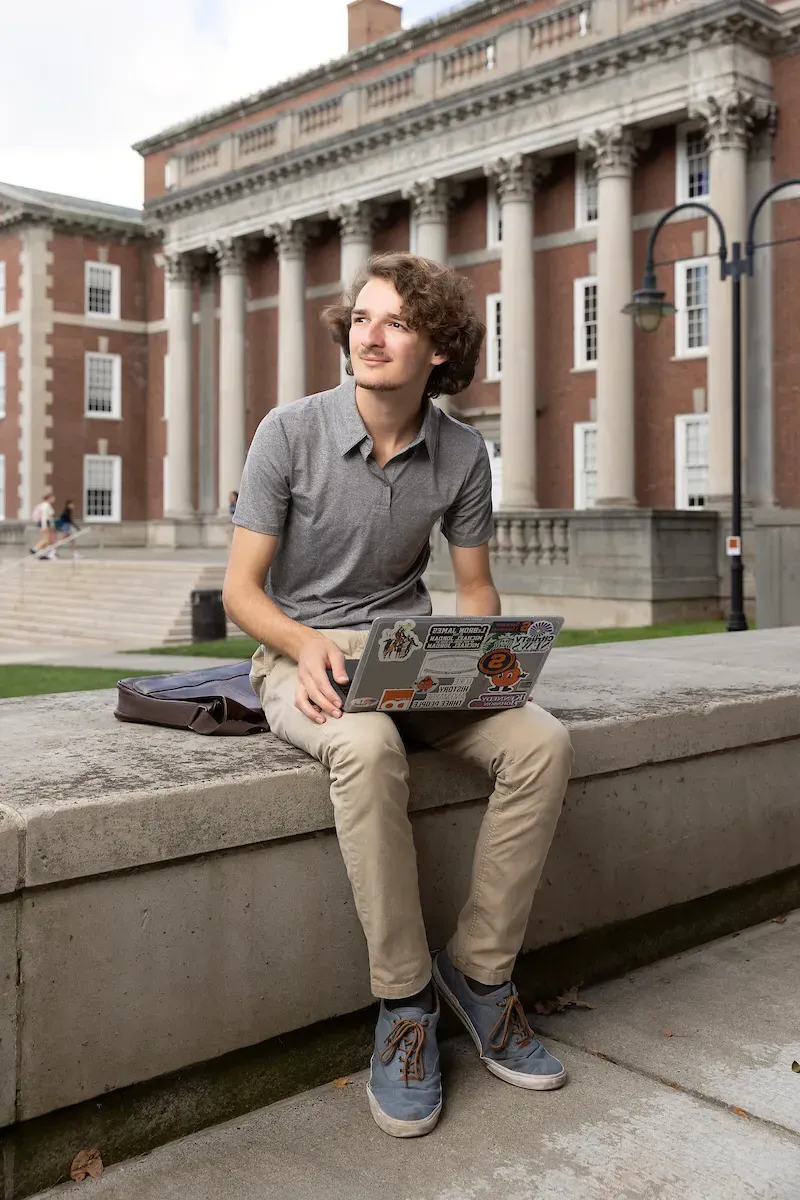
(528, 754)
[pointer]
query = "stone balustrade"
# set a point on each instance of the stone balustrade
(520, 46)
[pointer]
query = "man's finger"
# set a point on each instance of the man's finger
(336, 659)
(308, 709)
(324, 697)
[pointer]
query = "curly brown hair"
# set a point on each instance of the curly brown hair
(436, 300)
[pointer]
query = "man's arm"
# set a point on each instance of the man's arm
(253, 611)
(476, 595)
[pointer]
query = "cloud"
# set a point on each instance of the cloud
(86, 79)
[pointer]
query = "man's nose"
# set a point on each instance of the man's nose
(375, 333)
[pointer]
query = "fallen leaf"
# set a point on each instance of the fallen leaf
(796, 1067)
(569, 999)
(667, 1035)
(779, 920)
(740, 1112)
(341, 1083)
(87, 1162)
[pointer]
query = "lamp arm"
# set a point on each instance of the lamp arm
(751, 228)
(650, 270)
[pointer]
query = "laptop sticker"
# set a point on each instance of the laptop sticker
(427, 683)
(441, 663)
(499, 700)
(396, 700)
(365, 702)
(456, 637)
(539, 636)
(503, 670)
(397, 643)
(446, 695)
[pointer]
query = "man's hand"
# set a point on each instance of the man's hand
(315, 695)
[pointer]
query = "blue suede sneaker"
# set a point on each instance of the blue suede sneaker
(405, 1082)
(499, 1028)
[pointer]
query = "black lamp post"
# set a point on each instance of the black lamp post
(648, 308)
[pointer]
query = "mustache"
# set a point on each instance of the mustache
(372, 354)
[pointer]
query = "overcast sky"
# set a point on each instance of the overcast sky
(82, 80)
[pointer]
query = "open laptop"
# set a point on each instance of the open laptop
(413, 663)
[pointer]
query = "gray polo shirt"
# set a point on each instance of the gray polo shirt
(354, 537)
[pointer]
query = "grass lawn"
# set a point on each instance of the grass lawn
(243, 647)
(40, 681)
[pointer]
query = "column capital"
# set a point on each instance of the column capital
(179, 268)
(289, 237)
(231, 255)
(614, 148)
(430, 199)
(355, 220)
(517, 175)
(731, 118)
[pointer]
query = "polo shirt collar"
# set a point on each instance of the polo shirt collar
(351, 430)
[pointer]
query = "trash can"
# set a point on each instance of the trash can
(208, 616)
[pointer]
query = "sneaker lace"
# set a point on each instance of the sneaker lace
(408, 1036)
(511, 1021)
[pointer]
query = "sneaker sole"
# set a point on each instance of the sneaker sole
(533, 1083)
(401, 1129)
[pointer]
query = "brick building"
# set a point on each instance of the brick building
(534, 147)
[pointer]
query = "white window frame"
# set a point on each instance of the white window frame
(116, 387)
(2, 288)
(582, 219)
(682, 347)
(116, 489)
(682, 423)
(3, 378)
(2, 487)
(494, 451)
(582, 363)
(494, 216)
(494, 343)
(166, 378)
(682, 166)
(579, 432)
(115, 291)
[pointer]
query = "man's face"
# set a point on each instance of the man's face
(386, 354)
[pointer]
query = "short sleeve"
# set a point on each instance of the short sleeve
(265, 490)
(468, 521)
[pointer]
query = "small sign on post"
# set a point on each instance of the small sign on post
(733, 547)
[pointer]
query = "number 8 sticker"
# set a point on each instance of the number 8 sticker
(496, 661)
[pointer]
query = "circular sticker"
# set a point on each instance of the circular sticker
(495, 661)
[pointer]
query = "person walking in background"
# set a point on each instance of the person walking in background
(44, 516)
(66, 524)
(234, 500)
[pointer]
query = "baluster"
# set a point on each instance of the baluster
(561, 539)
(518, 547)
(503, 532)
(546, 538)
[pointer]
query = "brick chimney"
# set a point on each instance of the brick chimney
(368, 20)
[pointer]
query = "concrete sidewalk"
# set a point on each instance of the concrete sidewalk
(681, 1088)
(104, 656)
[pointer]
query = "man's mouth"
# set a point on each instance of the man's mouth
(373, 358)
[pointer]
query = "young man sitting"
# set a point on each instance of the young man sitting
(338, 499)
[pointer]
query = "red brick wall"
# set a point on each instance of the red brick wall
(72, 251)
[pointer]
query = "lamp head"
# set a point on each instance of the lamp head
(648, 308)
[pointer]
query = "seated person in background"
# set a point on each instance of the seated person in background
(338, 499)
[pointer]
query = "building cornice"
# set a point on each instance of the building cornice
(747, 22)
(339, 70)
(74, 222)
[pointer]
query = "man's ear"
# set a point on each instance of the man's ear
(438, 358)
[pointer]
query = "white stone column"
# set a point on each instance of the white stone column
(730, 121)
(429, 200)
(355, 234)
(179, 503)
(614, 152)
(515, 178)
(231, 444)
(290, 240)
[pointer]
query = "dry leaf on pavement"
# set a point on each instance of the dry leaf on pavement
(341, 1083)
(779, 920)
(796, 1067)
(740, 1112)
(87, 1162)
(544, 1008)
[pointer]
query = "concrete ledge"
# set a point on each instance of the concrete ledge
(177, 898)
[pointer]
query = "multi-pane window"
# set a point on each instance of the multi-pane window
(691, 324)
(691, 460)
(585, 323)
(102, 290)
(102, 385)
(494, 336)
(102, 487)
(2, 383)
(2, 289)
(2, 487)
(585, 464)
(586, 203)
(494, 216)
(693, 181)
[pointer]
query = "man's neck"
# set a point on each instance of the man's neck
(392, 419)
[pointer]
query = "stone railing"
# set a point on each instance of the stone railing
(519, 46)
(524, 539)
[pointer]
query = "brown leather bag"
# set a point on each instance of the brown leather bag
(216, 701)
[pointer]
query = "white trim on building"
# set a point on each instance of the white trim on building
(2, 487)
(586, 210)
(692, 181)
(585, 323)
(691, 301)
(102, 386)
(584, 441)
(102, 290)
(166, 386)
(2, 288)
(102, 488)
(496, 463)
(494, 336)
(691, 460)
(3, 377)
(494, 216)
